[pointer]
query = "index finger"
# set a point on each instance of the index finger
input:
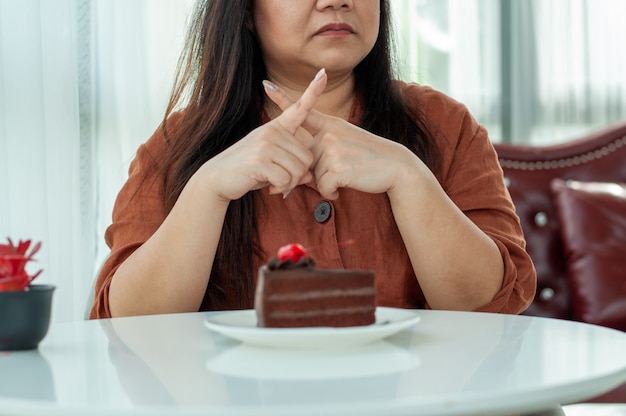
(295, 113)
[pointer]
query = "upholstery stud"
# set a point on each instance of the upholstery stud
(546, 294)
(541, 219)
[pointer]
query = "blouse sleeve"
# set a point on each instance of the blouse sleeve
(472, 177)
(477, 187)
(137, 213)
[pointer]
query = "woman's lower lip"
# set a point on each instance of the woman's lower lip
(335, 33)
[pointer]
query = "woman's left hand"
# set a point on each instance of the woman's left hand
(347, 156)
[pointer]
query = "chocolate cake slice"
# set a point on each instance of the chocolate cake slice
(297, 294)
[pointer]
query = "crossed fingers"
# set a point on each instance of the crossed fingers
(300, 113)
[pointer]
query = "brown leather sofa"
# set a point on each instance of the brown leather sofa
(575, 235)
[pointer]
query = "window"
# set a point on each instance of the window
(531, 71)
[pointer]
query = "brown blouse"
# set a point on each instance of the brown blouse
(470, 175)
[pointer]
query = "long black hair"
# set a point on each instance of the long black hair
(219, 93)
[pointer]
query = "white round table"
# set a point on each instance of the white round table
(449, 363)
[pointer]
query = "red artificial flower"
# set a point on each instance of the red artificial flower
(13, 260)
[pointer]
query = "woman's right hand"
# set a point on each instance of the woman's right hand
(275, 154)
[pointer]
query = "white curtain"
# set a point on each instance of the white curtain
(82, 84)
(40, 193)
(532, 71)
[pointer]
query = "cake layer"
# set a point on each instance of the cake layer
(315, 297)
(338, 318)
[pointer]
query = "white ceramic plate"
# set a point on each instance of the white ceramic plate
(242, 326)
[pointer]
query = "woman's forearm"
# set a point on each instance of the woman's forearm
(169, 273)
(457, 265)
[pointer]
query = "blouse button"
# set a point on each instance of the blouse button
(322, 212)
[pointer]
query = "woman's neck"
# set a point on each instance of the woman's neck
(337, 99)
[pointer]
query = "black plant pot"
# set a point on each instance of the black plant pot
(25, 317)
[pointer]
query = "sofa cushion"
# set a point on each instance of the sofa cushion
(592, 216)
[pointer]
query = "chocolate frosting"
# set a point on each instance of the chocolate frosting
(303, 263)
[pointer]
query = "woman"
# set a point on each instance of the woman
(289, 107)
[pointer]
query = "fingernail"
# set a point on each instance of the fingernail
(270, 85)
(320, 74)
